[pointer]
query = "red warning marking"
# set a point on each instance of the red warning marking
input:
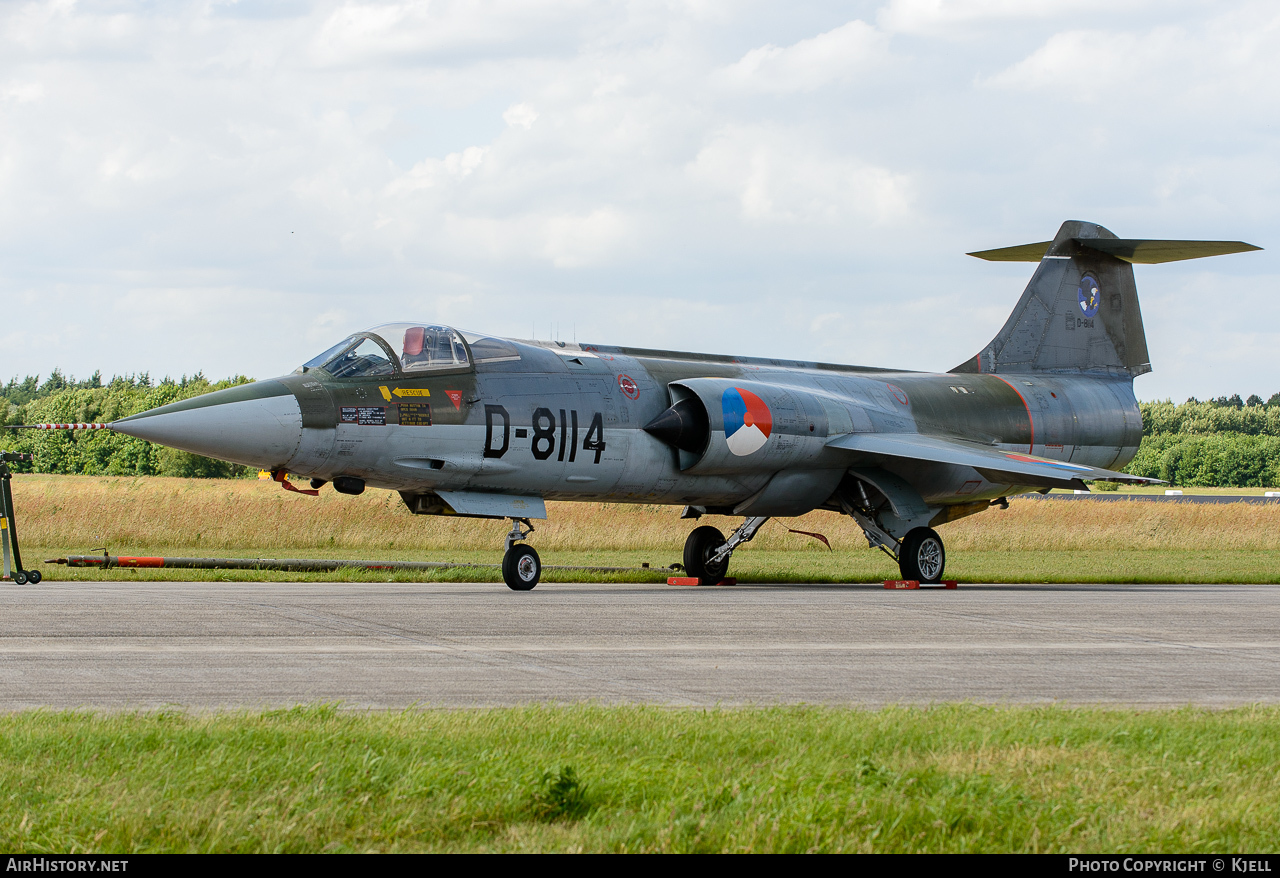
(898, 393)
(141, 562)
(455, 397)
(693, 580)
(629, 387)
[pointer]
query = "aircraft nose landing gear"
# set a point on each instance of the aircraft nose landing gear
(521, 566)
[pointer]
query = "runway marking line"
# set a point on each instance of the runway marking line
(913, 584)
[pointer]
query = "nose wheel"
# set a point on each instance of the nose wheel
(521, 566)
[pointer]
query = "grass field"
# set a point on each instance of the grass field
(1031, 541)
(588, 778)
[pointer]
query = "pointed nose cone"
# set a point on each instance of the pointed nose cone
(257, 424)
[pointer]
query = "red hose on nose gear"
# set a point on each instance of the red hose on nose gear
(283, 479)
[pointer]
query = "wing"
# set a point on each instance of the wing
(1001, 467)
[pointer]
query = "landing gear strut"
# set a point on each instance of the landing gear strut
(521, 566)
(920, 554)
(707, 552)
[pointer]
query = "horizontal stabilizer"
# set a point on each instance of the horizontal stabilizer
(1147, 252)
(1000, 467)
(1020, 253)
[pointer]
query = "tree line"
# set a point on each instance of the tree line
(1222, 442)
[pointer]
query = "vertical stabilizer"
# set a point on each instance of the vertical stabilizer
(1079, 313)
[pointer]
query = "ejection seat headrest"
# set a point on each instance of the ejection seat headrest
(413, 340)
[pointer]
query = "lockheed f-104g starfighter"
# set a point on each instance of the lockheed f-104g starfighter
(468, 424)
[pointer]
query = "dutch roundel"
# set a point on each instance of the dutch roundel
(747, 421)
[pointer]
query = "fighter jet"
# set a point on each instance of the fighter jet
(467, 424)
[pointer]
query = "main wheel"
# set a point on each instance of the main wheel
(521, 567)
(698, 549)
(19, 578)
(34, 577)
(922, 557)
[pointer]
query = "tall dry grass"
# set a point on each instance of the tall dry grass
(155, 513)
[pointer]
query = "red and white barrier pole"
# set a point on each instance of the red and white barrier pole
(58, 427)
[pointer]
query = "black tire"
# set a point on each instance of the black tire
(698, 549)
(521, 567)
(34, 577)
(922, 556)
(19, 577)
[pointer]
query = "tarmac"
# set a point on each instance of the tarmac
(209, 645)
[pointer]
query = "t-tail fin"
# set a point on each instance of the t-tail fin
(1080, 311)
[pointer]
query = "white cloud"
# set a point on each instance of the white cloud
(835, 56)
(943, 17)
(22, 92)
(520, 116)
(784, 177)
(365, 33)
(1174, 67)
(658, 174)
(577, 241)
(1089, 64)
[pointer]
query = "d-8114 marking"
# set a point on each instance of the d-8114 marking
(543, 423)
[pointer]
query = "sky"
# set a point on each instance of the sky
(232, 187)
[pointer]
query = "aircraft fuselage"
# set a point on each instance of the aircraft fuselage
(566, 422)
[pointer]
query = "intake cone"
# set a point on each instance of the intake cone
(685, 426)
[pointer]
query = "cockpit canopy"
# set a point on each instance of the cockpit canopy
(406, 348)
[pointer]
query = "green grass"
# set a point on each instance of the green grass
(1032, 540)
(956, 778)
(1160, 489)
(749, 565)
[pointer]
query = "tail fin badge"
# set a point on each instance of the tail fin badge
(1090, 296)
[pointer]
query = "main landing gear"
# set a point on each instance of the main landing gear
(920, 554)
(521, 566)
(707, 552)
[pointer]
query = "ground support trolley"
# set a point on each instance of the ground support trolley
(8, 525)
